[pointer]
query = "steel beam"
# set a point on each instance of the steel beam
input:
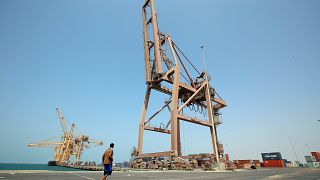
(175, 140)
(157, 51)
(193, 95)
(198, 156)
(194, 120)
(181, 84)
(156, 113)
(157, 154)
(149, 128)
(146, 45)
(167, 74)
(210, 119)
(145, 3)
(219, 101)
(142, 119)
(162, 89)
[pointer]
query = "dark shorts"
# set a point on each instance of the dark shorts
(107, 169)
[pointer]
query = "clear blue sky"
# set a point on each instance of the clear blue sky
(87, 58)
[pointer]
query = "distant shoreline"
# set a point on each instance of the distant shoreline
(21, 163)
(33, 167)
(39, 171)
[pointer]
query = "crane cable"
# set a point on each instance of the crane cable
(186, 57)
(193, 65)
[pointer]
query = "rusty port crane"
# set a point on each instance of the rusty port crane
(166, 64)
(71, 144)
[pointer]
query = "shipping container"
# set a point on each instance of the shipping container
(310, 158)
(274, 163)
(271, 156)
(316, 155)
(313, 164)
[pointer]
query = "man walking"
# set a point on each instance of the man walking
(107, 160)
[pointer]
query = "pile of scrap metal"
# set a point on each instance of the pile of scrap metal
(246, 164)
(195, 161)
(164, 163)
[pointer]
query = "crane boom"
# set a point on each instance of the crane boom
(62, 121)
(44, 144)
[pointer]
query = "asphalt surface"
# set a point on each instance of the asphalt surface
(285, 173)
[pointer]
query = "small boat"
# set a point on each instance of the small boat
(52, 163)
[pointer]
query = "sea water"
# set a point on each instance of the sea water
(13, 166)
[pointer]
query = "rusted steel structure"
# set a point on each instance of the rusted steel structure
(165, 63)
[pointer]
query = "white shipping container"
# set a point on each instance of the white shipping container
(310, 158)
(313, 164)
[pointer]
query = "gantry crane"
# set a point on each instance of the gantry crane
(70, 144)
(166, 69)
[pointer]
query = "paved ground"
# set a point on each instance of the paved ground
(286, 173)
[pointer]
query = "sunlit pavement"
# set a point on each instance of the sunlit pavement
(285, 173)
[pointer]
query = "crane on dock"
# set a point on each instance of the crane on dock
(169, 72)
(70, 144)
